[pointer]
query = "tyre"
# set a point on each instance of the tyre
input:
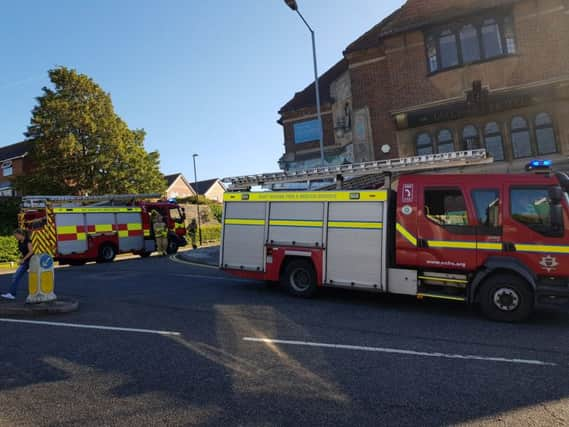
(299, 278)
(172, 247)
(107, 253)
(506, 298)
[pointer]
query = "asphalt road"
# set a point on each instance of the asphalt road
(196, 348)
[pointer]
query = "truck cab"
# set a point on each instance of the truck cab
(468, 229)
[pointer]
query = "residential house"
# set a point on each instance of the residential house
(14, 162)
(444, 75)
(212, 189)
(178, 187)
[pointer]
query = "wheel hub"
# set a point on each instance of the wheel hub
(300, 279)
(506, 299)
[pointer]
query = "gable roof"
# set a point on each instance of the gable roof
(415, 14)
(203, 186)
(307, 97)
(171, 179)
(13, 151)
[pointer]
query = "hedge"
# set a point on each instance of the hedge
(211, 233)
(8, 249)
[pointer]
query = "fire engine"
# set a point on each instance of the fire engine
(500, 241)
(78, 229)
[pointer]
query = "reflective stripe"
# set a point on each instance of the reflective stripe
(410, 238)
(440, 297)
(297, 223)
(103, 228)
(356, 224)
(489, 246)
(134, 226)
(66, 229)
(146, 233)
(245, 222)
(443, 279)
(542, 248)
(308, 196)
(95, 210)
(451, 245)
(123, 233)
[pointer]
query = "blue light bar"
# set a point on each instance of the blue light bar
(539, 164)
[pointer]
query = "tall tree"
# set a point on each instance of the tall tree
(81, 146)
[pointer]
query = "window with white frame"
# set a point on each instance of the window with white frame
(7, 168)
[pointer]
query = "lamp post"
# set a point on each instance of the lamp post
(294, 6)
(197, 198)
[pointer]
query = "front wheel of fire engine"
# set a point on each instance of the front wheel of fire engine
(506, 298)
(299, 278)
(107, 253)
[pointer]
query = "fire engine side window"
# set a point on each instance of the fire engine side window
(532, 207)
(446, 206)
(487, 204)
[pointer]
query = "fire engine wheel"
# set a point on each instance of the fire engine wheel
(299, 278)
(506, 298)
(107, 253)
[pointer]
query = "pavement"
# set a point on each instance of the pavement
(205, 255)
(159, 342)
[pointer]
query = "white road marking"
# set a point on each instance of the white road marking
(400, 351)
(196, 264)
(83, 326)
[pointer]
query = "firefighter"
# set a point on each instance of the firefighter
(160, 234)
(192, 231)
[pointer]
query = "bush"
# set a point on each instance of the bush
(211, 233)
(8, 249)
(217, 211)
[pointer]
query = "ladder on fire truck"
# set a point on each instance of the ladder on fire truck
(398, 165)
(31, 202)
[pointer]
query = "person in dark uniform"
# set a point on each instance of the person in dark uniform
(26, 251)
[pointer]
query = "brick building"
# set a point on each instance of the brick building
(14, 162)
(444, 75)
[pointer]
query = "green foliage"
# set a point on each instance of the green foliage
(211, 233)
(201, 200)
(81, 146)
(8, 249)
(9, 208)
(217, 211)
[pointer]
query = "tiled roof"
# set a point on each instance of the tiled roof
(307, 97)
(203, 186)
(415, 14)
(15, 150)
(170, 179)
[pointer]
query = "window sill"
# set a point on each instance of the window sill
(482, 61)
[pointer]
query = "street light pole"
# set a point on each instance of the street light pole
(293, 5)
(197, 198)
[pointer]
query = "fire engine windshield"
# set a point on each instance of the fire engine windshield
(175, 214)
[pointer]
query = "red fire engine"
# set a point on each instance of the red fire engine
(500, 241)
(78, 229)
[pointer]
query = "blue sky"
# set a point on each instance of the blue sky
(198, 76)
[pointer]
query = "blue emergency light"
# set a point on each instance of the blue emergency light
(539, 165)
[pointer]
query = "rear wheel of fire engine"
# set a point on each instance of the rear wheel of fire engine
(107, 253)
(506, 298)
(299, 278)
(172, 247)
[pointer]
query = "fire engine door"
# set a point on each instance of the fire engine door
(488, 208)
(535, 228)
(446, 230)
